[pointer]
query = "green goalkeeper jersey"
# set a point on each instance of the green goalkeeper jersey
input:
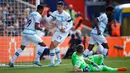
(78, 61)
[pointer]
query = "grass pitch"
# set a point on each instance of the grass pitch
(65, 67)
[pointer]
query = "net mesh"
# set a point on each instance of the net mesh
(13, 15)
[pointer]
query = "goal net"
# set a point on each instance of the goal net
(13, 14)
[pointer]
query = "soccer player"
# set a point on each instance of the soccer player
(29, 35)
(64, 24)
(96, 35)
(90, 64)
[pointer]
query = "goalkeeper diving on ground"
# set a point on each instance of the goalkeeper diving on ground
(91, 63)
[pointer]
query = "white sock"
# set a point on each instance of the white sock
(100, 49)
(17, 53)
(52, 56)
(86, 52)
(57, 50)
(40, 50)
(105, 50)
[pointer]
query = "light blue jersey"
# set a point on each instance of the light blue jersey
(33, 18)
(102, 23)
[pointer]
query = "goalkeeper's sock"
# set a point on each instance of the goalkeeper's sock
(122, 69)
(17, 53)
(57, 50)
(39, 52)
(52, 56)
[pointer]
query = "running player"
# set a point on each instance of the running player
(64, 24)
(96, 35)
(29, 35)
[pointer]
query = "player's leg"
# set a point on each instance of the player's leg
(40, 45)
(106, 68)
(102, 40)
(95, 69)
(97, 58)
(53, 45)
(90, 47)
(57, 50)
(105, 50)
(99, 49)
(57, 39)
(25, 42)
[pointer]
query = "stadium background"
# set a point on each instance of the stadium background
(13, 12)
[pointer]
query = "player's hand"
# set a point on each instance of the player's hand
(99, 33)
(43, 29)
(86, 69)
(62, 29)
(46, 29)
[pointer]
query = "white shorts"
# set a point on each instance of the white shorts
(59, 36)
(26, 39)
(97, 39)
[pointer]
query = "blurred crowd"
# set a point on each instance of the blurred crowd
(10, 20)
(13, 17)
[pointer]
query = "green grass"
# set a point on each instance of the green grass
(66, 67)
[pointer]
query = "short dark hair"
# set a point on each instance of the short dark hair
(79, 48)
(109, 8)
(60, 3)
(40, 7)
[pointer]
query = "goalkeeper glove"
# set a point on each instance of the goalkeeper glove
(86, 69)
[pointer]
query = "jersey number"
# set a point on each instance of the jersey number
(29, 22)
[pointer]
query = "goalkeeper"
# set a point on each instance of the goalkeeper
(91, 63)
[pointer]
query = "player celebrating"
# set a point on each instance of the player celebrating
(64, 24)
(96, 35)
(29, 35)
(90, 64)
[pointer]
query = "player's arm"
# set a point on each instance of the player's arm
(96, 25)
(69, 24)
(98, 19)
(37, 27)
(37, 23)
(76, 67)
(50, 18)
(91, 62)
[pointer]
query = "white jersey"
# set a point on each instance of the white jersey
(33, 18)
(102, 23)
(64, 18)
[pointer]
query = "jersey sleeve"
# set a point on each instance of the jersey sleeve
(37, 19)
(101, 17)
(69, 23)
(50, 18)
